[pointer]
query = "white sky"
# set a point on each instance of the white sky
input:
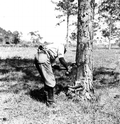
(29, 15)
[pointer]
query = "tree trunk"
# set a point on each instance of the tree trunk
(84, 59)
(110, 30)
(67, 35)
(68, 17)
(109, 45)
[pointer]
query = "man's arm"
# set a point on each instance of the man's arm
(63, 62)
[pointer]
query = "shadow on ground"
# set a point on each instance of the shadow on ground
(38, 94)
(106, 77)
(19, 74)
(26, 66)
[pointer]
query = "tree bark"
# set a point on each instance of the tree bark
(84, 60)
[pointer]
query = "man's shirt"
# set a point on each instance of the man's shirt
(55, 50)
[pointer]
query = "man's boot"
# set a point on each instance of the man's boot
(49, 91)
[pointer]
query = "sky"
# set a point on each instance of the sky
(30, 15)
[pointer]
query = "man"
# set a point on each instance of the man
(45, 57)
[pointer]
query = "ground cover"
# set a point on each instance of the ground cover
(21, 92)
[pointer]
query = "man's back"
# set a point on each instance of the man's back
(56, 50)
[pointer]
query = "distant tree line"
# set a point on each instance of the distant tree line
(8, 37)
(15, 38)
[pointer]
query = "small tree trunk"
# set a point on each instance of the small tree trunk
(67, 35)
(68, 17)
(110, 30)
(109, 45)
(84, 59)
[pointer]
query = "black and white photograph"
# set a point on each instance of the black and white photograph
(60, 62)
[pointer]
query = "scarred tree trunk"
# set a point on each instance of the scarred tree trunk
(84, 60)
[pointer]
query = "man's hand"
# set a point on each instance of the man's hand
(68, 71)
(69, 68)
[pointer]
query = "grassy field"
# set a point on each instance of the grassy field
(21, 93)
